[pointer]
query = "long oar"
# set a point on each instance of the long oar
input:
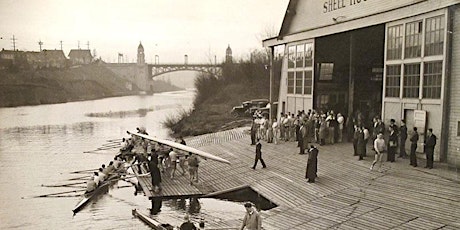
(52, 194)
(86, 170)
(80, 178)
(62, 185)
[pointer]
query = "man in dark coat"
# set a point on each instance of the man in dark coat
(430, 143)
(392, 145)
(413, 147)
(361, 143)
(303, 142)
(258, 155)
(402, 139)
(155, 172)
(312, 164)
(253, 132)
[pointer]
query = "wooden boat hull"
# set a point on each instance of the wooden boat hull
(151, 222)
(182, 147)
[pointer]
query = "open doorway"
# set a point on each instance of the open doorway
(349, 72)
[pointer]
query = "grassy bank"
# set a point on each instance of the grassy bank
(49, 86)
(216, 97)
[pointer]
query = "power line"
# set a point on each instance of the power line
(40, 43)
(14, 43)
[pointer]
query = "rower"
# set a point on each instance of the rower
(117, 162)
(110, 168)
(102, 175)
(90, 185)
(97, 179)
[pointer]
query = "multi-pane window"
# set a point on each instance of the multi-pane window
(299, 56)
(395, 39)
(432, 78)
(300, 63)
(434, 36)
(307, 82)
(308, 54)
(291, 57)
(411, 82)
(413, 39)
(290, 82)
(298, 82)
(393, 81)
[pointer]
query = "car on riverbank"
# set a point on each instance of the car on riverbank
(247, 108)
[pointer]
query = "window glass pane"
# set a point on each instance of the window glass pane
(393, 81)
(299, 56)
(298, 82)
(307, 82)
(434, 36)
(291, 57)
(394, 46)
(411, 82)
(432, 79)
(308, 54)
(290, 83)
(413, 39)
(326, 70)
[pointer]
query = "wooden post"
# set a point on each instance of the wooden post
(271, 54)
(351, 82)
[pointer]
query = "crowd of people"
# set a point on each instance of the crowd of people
(159, 159)
(327, 128)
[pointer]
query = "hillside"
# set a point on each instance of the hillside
(34, 87)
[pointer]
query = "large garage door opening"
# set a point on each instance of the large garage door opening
(349, 72)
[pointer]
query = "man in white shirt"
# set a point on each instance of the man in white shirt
(379, 147)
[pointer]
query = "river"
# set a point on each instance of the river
(41, 145)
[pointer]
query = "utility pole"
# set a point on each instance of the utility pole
(87, 44)
(61, 44)
(14, 43)
(40, 43)
(78, 44)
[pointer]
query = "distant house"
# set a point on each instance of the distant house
(9, 58)
(35, 59)
(79, 57)
(53, 58)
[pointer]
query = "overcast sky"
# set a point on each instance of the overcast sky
(168, 28)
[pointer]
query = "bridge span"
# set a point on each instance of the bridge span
(159, 69)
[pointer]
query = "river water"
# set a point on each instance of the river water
(41, 145)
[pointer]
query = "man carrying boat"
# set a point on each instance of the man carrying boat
(193, 163)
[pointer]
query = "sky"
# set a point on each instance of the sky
(202, 29)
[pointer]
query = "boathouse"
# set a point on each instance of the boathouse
(393, 58)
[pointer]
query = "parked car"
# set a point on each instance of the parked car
(247, 108)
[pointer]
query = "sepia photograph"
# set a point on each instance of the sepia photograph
(230, 114)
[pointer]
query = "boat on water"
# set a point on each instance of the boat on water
(96, 193)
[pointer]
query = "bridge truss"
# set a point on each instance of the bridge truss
(158, 69)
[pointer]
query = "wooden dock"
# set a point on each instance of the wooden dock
(346, 194)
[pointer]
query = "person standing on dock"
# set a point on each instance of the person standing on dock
(402, 139)
(379, 148)
(429, 144)
(252, 219)
(413, 147)
(392, 144)
(312, 165)
(193, 163)
(155, 172)
(258, 155)
(173, 161)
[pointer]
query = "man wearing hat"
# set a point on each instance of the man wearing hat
(252, 219)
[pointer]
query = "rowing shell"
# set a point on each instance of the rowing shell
(176, 145)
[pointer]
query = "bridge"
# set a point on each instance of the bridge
(159, 69)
